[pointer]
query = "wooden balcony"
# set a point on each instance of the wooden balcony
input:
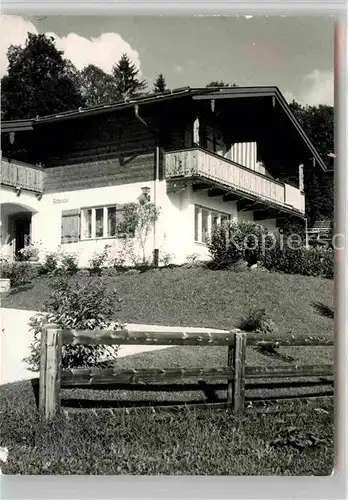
(22, 175)
(230, 177)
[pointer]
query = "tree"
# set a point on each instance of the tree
(220, 83)
(39, 80)
(318, 123)
(160, 84)
(97, 87)
(126, 79)
(138, 222)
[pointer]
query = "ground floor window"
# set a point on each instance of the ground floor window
(101, 222)
(206, 221)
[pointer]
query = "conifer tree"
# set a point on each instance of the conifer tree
(126, 77)
(160, 84)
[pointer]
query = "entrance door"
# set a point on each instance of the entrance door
(22, 232)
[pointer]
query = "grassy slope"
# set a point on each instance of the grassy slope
(201, 297)
(181, 444)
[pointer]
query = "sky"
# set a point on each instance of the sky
(293, 53)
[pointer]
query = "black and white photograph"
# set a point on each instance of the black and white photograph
(167, 245)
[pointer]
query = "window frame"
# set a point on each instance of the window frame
(105, 222)
(198, 222)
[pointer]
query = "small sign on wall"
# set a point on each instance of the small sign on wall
(58, 201)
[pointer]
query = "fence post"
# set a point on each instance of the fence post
(50, 371)
(230, 364)
(238, 393)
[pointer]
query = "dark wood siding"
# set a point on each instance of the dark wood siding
(95, 138)
(113, 172)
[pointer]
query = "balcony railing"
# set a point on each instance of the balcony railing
(200, 163)
(21, 175)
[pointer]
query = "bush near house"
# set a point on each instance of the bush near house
(61, 263)
(235, 241)
(51, 262)
(305, 261)
(19, 273)
(99, 260)
(249, 242)
(69, 263)
(73, 304)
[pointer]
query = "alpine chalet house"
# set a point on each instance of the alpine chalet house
(203, 156)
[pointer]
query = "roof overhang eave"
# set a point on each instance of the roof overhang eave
(239, 93)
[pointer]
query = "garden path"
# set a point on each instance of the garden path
(16, 337)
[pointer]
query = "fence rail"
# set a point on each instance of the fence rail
(206, 337)
(236, 373)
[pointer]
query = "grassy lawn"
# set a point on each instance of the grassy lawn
(199, 442)
(202, 297)
(189, 441)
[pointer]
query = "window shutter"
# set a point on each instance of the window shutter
(70, 228)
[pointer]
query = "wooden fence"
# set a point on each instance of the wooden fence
(53, 378)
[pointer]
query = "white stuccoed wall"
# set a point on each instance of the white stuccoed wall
(12, 203)
(48, 222)
(174, 228)
(26, 199)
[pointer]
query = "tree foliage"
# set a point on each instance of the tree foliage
(220, 83)
(39, 80)
(318, 123)
(127, 80)
(85, 305)
(97, 87)
(160, 84)
(138, 222)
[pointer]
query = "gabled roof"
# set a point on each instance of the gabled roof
(195, 93)
(240, 92)
(7, 126)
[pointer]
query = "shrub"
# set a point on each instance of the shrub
(258, 321)
(72, 304)
(29, 252)
(235, 241)
(98, 261)
(245, 241)
(123, 254)
(327, 263)
(305, 261)
(192, 259)
(19, 273)
(69, 263)
(51, 262)
(166, 258)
